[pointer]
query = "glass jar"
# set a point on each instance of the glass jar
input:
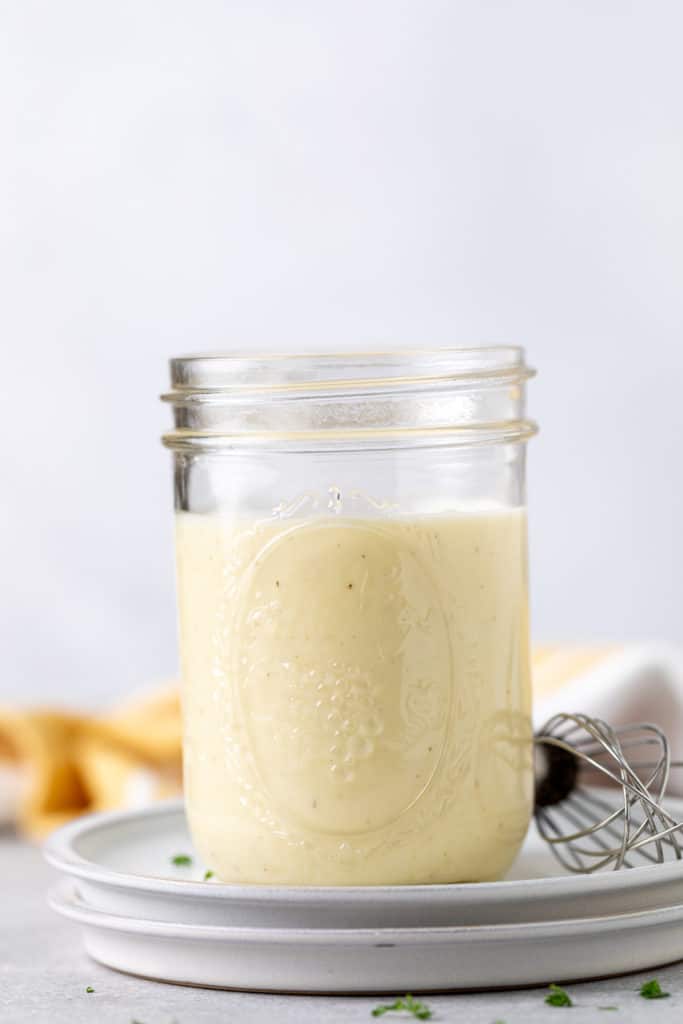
(352, 590)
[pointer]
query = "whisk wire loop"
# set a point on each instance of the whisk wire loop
(587, 832)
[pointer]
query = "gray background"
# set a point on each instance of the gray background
(180, 176)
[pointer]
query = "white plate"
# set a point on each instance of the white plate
(383, 960)
(123, 863)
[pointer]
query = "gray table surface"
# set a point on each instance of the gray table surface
(44, 973)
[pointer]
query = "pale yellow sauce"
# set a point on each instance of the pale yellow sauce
(356, 696)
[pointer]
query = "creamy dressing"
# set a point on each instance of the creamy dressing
(356, 696)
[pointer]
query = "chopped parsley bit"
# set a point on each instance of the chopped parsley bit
(409, 1005)
(653, 990)
(558, 997)
(181, 860)
(90, 989)
(208, 875)
(608, 1007)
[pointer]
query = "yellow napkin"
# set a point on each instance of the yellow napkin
(57, 765)
(554, 667)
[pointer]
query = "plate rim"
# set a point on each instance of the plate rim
(61, 898)
(58, 850)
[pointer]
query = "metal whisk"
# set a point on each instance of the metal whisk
(621, 825)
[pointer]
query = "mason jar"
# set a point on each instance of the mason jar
(352, 589)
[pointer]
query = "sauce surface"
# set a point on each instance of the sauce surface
(356, 696)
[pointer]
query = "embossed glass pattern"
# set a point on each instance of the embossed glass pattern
(351, 550)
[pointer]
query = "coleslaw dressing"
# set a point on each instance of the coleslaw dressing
(356, 696)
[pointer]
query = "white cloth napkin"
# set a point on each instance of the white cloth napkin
(632, 684)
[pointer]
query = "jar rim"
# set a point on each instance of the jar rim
(221, 373)
(381, 398)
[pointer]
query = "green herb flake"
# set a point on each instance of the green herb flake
(608, 1007)
(181, 860)
(653, 990)
(558, 997)
(208, 875)
(405, 1005)
(90, 989)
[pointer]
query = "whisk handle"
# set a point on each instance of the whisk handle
(556, 779)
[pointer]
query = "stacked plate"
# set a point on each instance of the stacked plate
(144, 914)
